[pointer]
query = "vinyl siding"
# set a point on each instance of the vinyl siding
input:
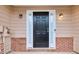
(75, 18)
(64, 28)
(4, 17)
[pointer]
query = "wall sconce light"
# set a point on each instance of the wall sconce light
(60, 16)
(20, 15)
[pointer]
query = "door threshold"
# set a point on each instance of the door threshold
(40, 49)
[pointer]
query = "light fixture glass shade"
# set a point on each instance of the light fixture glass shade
(60, 17)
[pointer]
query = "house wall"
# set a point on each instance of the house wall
(4, 17)
(4, 21)
(75, 18)
(63, 27)
(9, 16)
(63, 44)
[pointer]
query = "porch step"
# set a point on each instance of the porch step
(41, 50)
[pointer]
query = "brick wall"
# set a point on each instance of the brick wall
(63, 44)
(18, 44)
(1, 48)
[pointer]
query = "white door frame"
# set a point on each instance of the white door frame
(52, 18)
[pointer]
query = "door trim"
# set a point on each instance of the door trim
(54, 12)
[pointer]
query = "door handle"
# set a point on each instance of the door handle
(54, 29)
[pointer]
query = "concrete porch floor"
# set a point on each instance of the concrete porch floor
(42, 53)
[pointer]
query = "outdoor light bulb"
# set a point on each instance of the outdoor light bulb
(60, 17)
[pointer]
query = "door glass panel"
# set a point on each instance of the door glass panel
(40, 29)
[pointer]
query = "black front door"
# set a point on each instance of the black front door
(40, 29)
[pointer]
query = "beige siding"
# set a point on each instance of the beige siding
(75, 18)
(64, 28)
(18, 25)
(4, 17)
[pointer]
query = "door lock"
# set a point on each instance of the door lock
(54, 29)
